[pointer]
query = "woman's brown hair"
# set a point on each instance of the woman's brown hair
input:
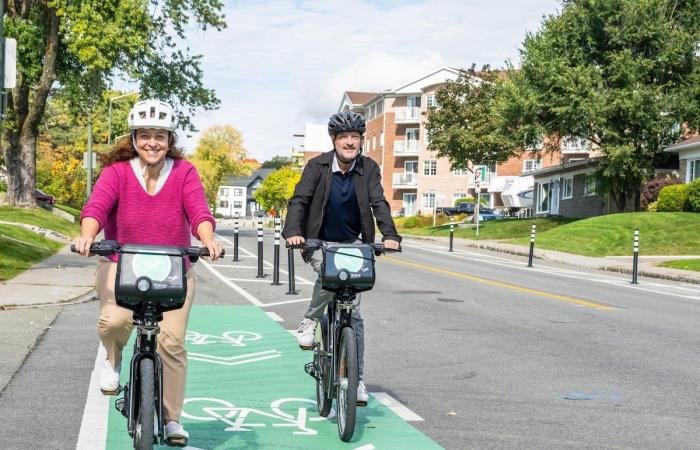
(124, 151)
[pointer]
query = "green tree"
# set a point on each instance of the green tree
(619, 73)
(83, 45)
(277, 162)
(465, 126)
(219, 153)
(277, 189)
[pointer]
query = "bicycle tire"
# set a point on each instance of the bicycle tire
(346, 398)
(144, 435)
(324, 396)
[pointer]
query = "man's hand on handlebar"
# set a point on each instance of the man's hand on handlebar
(82, 245)
(295, 240)
(390, 244)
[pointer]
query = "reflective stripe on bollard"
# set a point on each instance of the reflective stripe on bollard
(532, 245)
(635, 259)
(260, 248)
(276, 269)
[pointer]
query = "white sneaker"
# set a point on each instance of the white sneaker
(109, 378)
(175, 435)
(305, 334)
(362, 395)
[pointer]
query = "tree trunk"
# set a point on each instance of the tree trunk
(21, 153)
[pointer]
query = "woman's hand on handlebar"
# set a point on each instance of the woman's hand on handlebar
(82, 245)
(215, 249)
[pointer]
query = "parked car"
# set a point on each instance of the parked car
(486, 214)
(45, 198)
(462, 208)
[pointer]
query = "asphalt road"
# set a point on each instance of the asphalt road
(491, 354)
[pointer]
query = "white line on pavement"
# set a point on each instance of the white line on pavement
(398, 409)
(298, 300)
(93, 428)
(366, 447)
(233, 265)
(232, 285)
(260, 280)
(274, 316)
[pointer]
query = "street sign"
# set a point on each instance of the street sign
(10, 63)
(85, 160)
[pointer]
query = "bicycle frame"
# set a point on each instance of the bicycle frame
(339, 316)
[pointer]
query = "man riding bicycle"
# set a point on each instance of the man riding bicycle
(338, 199)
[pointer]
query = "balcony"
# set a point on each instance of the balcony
(405, 180)
(408, 147)
(408, 115)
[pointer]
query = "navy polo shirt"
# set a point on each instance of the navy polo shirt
(341, 220)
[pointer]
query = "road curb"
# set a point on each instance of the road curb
(83, 298)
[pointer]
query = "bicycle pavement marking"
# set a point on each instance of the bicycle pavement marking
(264, 402)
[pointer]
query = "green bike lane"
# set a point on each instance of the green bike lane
(246, 388)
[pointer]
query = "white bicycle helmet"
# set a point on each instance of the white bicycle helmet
(152, 114)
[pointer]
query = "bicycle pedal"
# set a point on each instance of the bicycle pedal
(120, 405)
(307, 347)
(361, 403)
(311, 369)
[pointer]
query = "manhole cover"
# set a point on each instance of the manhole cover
(418, 292)
(449, 300)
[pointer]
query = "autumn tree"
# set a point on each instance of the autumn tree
(83, 45)
(219, 153)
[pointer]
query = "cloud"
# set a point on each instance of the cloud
(280, 64)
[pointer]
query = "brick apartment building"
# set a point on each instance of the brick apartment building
(414, 179)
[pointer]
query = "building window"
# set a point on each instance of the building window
(589, 185)
(543, 198)
(429, 167)
(238, 192)
(414, 101)
(567, 187)
(223, 192)
(223, 204)
(238, 204)
(428, 201)
(572, 143)
(460, 172)
(431, 101)
(530, 165)
(380, 107)
(458, 195)
(693, 169)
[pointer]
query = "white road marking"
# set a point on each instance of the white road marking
(398, 409)
(232, 285)
(93, 428)
(233, 265)
(261, 280)
(298, 300)
(366, 447)
(566, 273)
(235, 360)
(274, 316)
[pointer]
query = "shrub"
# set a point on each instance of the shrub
(3, 186)
(418, 221)
(650, 192)
(693, 196)
(652, 207)
(673, 198)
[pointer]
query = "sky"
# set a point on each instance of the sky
(281, 64)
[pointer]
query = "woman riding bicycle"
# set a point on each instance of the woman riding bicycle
(147, 194)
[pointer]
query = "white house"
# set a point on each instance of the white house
(688, 157)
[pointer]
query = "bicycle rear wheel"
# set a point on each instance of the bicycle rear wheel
(143, 438)
(324, 394)
(346, 391)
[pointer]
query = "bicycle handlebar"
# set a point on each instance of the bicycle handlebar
(109, 247)
(315, 244)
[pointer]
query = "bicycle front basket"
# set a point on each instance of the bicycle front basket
(348, 266)
(150, 272)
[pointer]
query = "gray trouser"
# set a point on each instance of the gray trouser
(319, 300)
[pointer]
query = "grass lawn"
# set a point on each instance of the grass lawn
(39, 217)
(495, 229)
(20, 249)
(684, 264)
(74, 212)
(613, 235)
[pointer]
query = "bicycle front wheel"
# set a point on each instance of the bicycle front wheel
(346, 391)
(143, 438)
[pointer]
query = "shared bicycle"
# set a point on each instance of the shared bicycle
(150, 281)
(346, 270)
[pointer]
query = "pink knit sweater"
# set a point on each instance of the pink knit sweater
(130, 215)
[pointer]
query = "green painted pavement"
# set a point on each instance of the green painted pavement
(246, 388)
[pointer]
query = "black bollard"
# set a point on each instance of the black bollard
(532, 245)
(276, 269)
(290, 262)
(452, 234)
(260, 248)
(635, 260)
(235, 239)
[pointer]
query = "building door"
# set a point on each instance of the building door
(554, 195)
(409, 204)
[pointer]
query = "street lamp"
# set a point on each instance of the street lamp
(109, 120)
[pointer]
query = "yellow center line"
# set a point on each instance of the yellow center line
(562, 298)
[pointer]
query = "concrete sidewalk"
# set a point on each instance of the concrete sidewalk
(622, 264)
(62, 278)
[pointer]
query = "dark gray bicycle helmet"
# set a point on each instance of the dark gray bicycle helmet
(346, 121)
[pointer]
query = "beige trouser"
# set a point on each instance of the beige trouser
(115, 327)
